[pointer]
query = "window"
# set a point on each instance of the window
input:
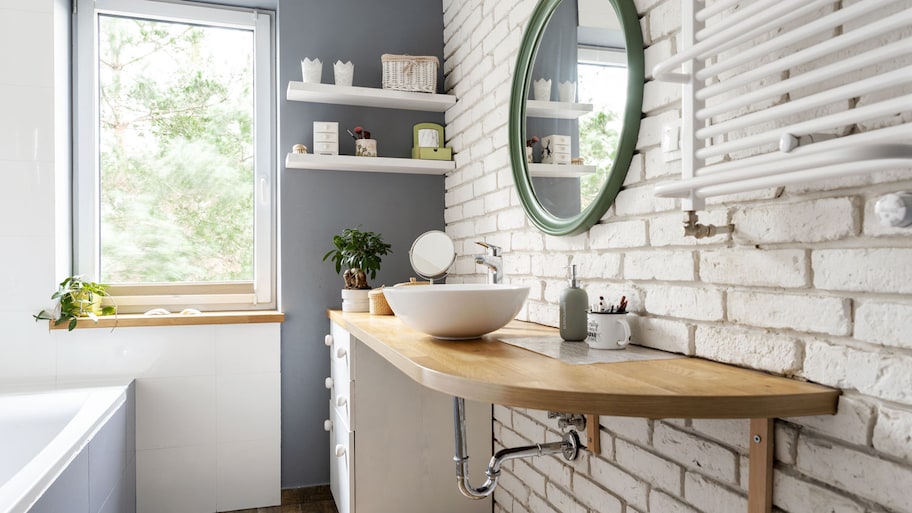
(602, 79)
(175, 154)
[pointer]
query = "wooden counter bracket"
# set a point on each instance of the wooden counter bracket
(593, 440)
(760, 471)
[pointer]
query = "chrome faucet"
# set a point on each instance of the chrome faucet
(493, 260)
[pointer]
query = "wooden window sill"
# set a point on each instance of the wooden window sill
(140, 320)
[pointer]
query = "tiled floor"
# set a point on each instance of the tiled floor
(316, 499)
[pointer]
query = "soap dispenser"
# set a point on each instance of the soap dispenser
(573, 304)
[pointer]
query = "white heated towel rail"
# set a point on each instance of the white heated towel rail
(779, 92)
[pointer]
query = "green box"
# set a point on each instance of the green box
(426, 153)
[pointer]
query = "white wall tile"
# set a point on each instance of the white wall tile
(28, 63)
(248, 348)
(27, 353)
(176, 480)
(247, 475)
(27, 125)
(175, 412)
(162, 351)
(248, 406)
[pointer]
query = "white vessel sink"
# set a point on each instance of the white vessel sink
(457, 311)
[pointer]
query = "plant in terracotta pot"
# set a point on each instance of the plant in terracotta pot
(356, 255)
(77, 297)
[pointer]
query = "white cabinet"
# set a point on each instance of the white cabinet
(391, 438)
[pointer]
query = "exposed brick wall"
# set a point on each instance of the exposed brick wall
(810, 286)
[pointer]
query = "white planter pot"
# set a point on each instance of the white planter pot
(355, 300)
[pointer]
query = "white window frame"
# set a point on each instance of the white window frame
(262, 292)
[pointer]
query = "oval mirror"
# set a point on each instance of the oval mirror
(575, 110)
(432, 254)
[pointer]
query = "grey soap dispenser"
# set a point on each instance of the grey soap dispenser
(573, 304)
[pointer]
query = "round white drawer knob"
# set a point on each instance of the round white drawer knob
(328, 383)
(328, 340)
(340, 450)
(341, 400)
(327, 425)
(341, 352)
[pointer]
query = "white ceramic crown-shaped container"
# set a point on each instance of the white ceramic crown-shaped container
(343, 73)
(541, 90)
(312, 70)
(566, 91)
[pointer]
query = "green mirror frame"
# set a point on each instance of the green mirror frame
(522, 78)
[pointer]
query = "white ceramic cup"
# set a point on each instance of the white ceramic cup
(608, 331)
(365, 147)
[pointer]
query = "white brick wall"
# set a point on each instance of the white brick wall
(809, 285)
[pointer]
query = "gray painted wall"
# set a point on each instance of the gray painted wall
(318, 204)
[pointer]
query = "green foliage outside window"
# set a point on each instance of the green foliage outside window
(177, 176)
(599, 143)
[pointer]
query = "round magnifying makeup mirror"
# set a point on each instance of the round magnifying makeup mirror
(432, 254)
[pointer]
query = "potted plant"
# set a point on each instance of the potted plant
(357, 255)
(77, 297)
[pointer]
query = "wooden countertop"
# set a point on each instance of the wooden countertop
(492, 371)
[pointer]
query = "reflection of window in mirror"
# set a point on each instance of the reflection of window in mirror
(602, 71)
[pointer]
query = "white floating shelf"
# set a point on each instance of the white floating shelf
(368, 97)
(556, 110)
(368, 164)
(560, 170)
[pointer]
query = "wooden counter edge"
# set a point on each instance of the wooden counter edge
(817, 400)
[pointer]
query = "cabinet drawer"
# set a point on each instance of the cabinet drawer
(340, 370)
(330, 137)
(341, 461)
(326, 126)
(325, 148)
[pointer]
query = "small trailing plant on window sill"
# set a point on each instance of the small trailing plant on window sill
(359, 254)
(77, 298)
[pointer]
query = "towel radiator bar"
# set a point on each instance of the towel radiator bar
(760, 76)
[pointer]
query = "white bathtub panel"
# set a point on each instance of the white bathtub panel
(175, 412)
(108, 458)
(248, 348)
(28, 64)
(249, 406)
(176, 480)
(249, 474)
(162, 351)
(27, 124)
(70, 492)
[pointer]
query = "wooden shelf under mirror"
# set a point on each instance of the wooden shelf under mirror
(368, 97)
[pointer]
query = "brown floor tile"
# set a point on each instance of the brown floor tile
(312, 499)
(306, 495)
(319, 507)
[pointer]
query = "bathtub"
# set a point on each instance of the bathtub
(43, 431)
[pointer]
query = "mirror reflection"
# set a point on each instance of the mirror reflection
(576, 104)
